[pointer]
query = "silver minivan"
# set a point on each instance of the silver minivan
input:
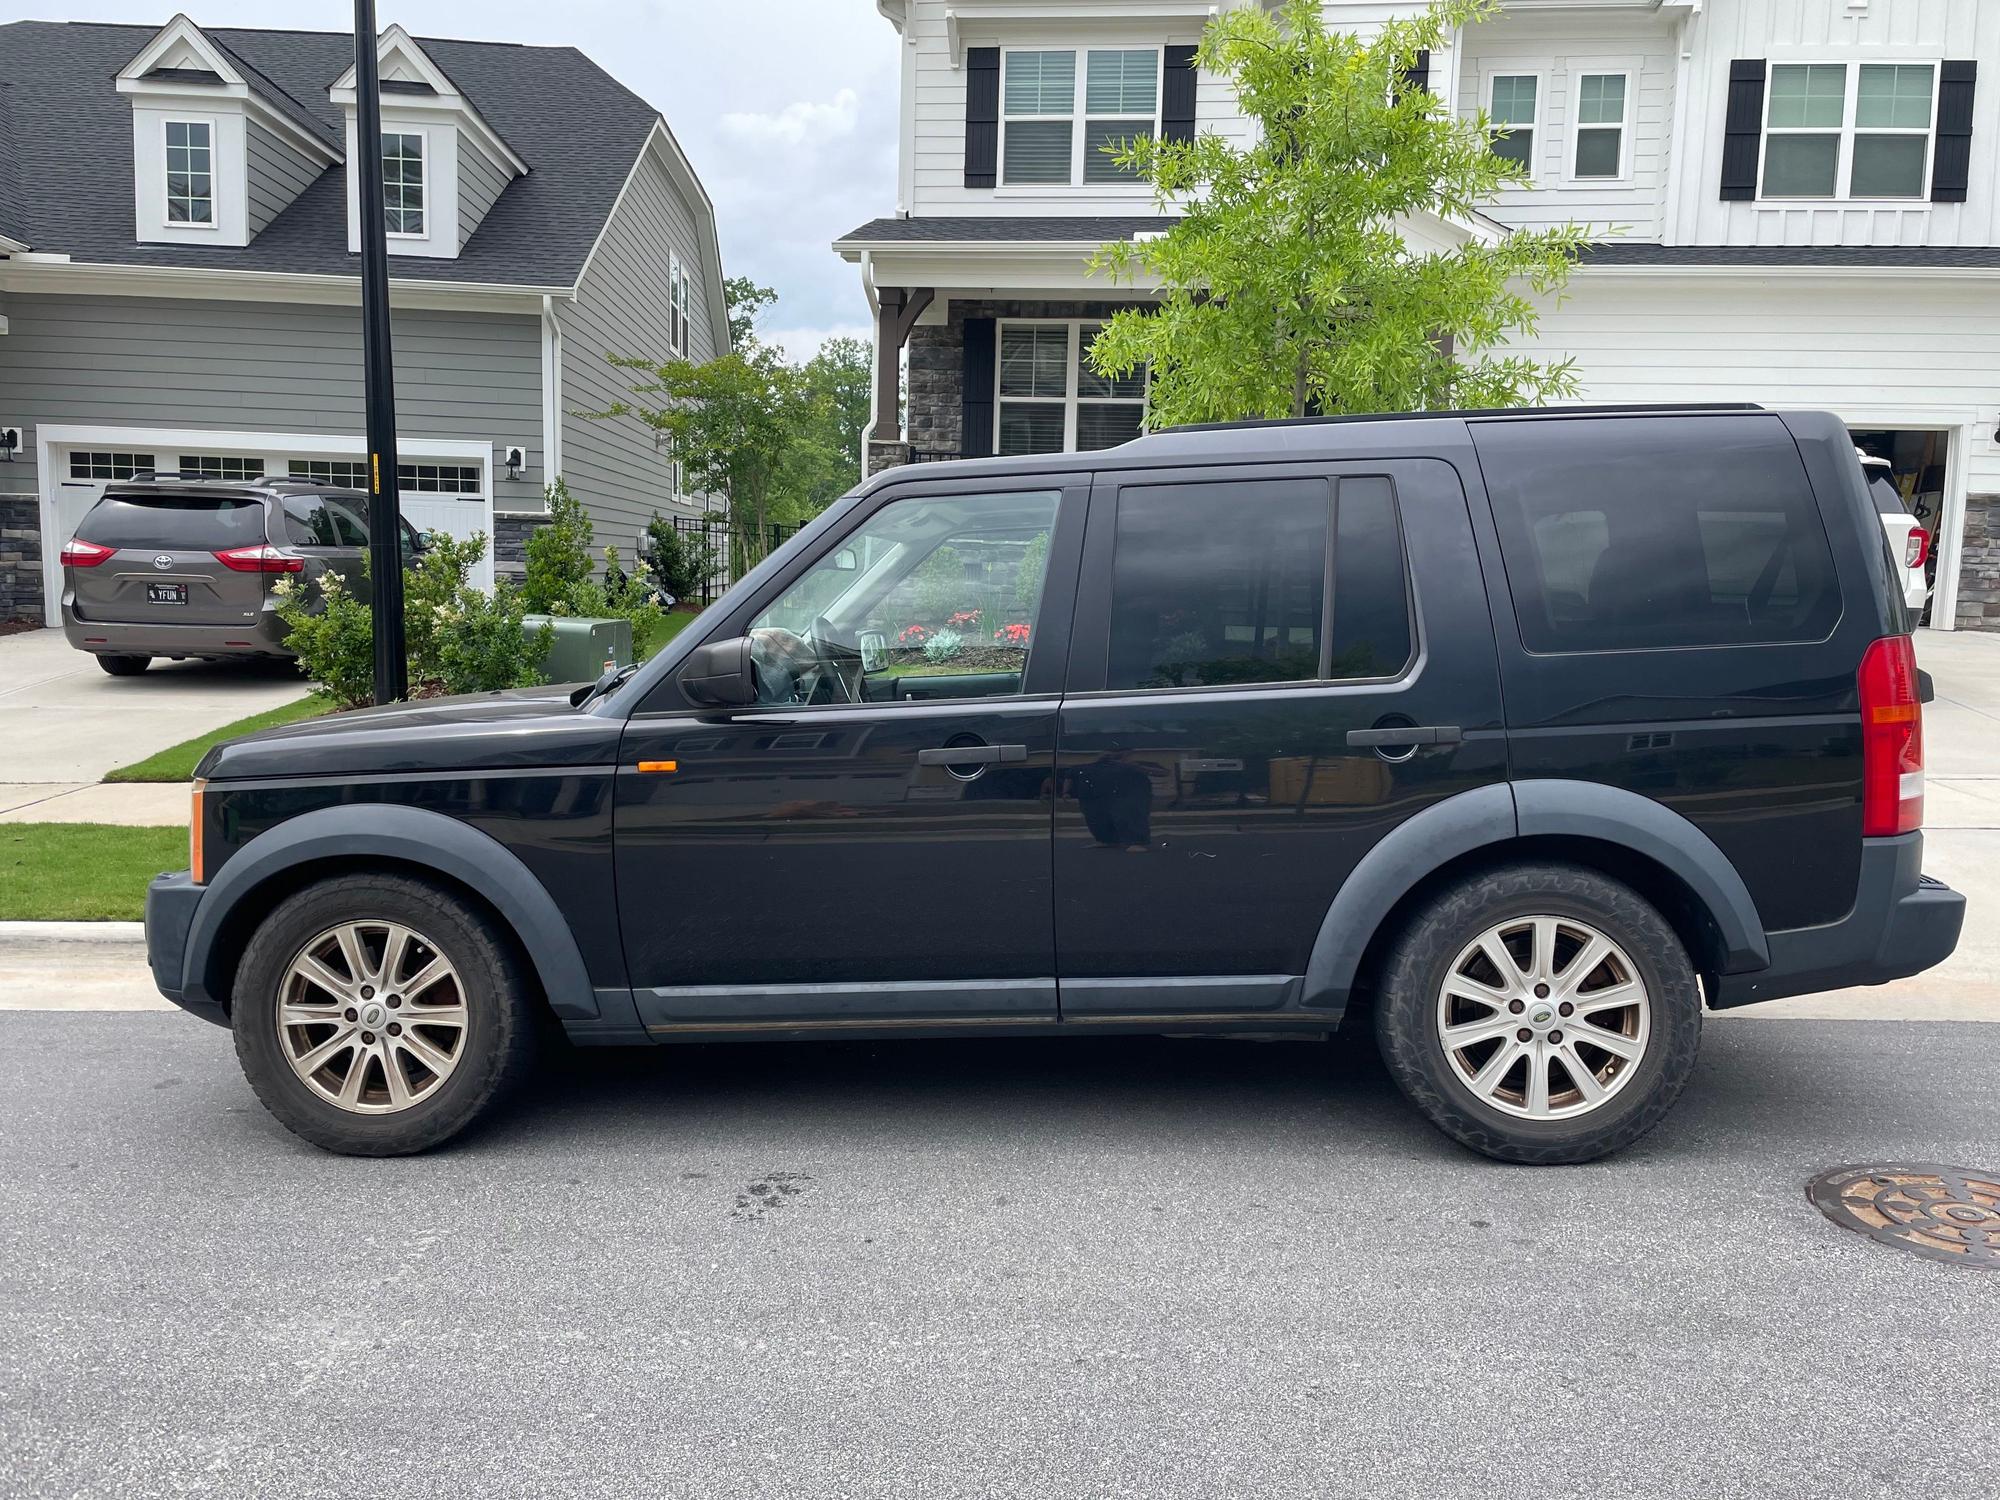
(186, 567)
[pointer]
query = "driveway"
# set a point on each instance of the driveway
(68, 722)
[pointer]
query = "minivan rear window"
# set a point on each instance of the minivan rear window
(1625, 534)
(320, 521)
(206, 523)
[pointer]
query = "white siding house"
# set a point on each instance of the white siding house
(1793, 202)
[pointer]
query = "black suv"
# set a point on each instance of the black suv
(1529, 735)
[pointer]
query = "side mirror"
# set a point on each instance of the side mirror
(721, 675)
(846, 560)
(874, 651)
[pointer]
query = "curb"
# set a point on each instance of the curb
(73, 934)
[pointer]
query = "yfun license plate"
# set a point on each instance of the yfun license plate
(166, 593)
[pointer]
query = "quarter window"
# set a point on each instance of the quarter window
(403, 182)
(190, 172)
(1514, 108)
(1834, 131)
(1061, 122)
(1051, 401)
(1600, 125)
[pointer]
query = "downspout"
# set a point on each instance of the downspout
(874, 384)
(551, 392)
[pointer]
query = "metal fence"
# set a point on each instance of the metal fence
(736, 546)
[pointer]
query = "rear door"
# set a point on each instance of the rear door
(330, 535)
(164, 569)
(1272, 667)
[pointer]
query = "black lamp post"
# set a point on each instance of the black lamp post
(385, 551)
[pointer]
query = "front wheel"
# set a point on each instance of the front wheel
(1540, 1013)
(379, 1015)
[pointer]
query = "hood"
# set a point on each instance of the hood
(515, 729)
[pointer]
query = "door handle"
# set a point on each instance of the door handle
(972, 755)
(1406, 734)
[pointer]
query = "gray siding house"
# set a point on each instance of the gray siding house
(179, 277)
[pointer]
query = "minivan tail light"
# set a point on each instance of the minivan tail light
(1916, 548)
(1892, 739)
(77, 553)
(264, 559)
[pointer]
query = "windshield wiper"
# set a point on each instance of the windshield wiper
(612, 680)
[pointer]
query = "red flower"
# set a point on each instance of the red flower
(1015, 634)
(913, 635)
(964, 617)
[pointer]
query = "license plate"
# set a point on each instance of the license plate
(166, 593)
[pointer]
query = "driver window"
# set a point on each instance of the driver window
(930, 598)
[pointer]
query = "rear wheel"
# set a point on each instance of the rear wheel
(124, 666)
(1540, 1013)
(379, 1015)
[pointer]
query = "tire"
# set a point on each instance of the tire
(1535, 1106)
(471, 1029)
(124, 666)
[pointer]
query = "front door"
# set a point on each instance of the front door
(1249, 650)
(869, 845)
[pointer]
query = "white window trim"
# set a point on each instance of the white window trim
(1625, 153)
(1071, 400)
(680, 308)
(1078, 120)
(1538, 147)
(1843, 165)
(214, 127)
(424, 159)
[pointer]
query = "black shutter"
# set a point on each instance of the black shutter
(975, 439)
(1951, 174)
(1417, 75)
(1177, 96)
(1743, 131)
(982, 115)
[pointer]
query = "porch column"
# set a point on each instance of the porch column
(899, 308)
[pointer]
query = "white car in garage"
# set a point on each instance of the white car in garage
(1909, 543)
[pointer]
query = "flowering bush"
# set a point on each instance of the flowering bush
(943, 646)
(913, 635)
(963, 618)
(1015, 634)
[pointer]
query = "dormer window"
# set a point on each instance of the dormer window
(190, 172)
(403, 182)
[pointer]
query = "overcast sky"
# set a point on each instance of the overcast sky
(787, 108)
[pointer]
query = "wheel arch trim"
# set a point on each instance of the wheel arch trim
(412, 836)
(1490, 816)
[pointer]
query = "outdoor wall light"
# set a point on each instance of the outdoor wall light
(517, 460)
(10, 441)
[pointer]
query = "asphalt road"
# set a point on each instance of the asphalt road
(1074, 1268)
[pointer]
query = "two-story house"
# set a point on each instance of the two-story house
(1793, 202)
(179, 265)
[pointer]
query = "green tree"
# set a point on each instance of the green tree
(746, 302)
(1287, 287)
(825, 461)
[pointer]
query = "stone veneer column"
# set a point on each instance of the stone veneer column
(1979, 565)
(20, 558)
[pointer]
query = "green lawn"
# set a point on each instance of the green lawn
(646, 642)
(177, 762)
(82, 872)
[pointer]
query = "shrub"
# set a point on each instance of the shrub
(943, 646)
(558, 553)
(1028, 576)
(681, 562)
(939, 584)
(482, 644)
(334, 636)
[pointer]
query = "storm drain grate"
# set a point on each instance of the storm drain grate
(1945, 1213)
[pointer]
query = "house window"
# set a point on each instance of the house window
(341, 473)
(220, 466)
(1835, 131)
(438, 479)
(679, 299)
(109, 465)
(403, 182)
(1601, 120)
(190, 172)
(1513, 105)
(1051, 401)
(1058, 121)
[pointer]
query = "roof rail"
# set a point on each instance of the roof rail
(1624, 409)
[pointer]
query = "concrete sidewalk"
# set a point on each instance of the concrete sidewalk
(128, 804)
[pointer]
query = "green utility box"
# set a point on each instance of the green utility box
(581, 647)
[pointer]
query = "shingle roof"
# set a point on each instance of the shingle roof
(66, 151)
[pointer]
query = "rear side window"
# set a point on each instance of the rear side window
(182, 522)
(316, 521)
(1222, 583)
(1635, 534)
(1887, 501)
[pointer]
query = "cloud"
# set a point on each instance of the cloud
(797, 123)
(803, 343)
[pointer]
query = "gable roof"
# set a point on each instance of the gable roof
(66, 151)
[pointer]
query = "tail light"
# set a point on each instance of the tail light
(1916, 548)
(264, 559)
(1892, 739)
(77, 553)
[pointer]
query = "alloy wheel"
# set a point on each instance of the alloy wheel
(1544, 1017)
(372, 1017)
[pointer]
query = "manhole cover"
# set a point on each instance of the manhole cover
(1946, 1213)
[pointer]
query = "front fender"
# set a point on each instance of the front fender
(412, 836)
